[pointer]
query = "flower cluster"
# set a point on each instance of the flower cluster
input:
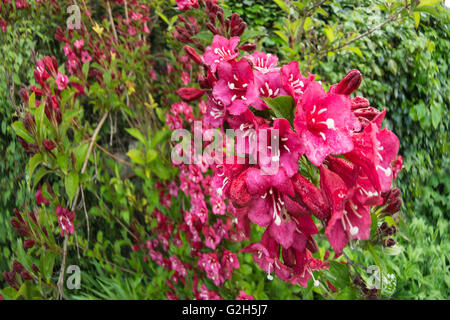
(339, 138)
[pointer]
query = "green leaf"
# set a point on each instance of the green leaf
(39, 175)
(136, 156)
(137, 134)
(338, 275)
(20, 130)
(151, 155)
(33, 163)
(71, 184)
(308, 23)
(428, 3)
(80, 153)
(282, 107)
(282, 5)
(63, 162)
(357, 51)
(416, 16)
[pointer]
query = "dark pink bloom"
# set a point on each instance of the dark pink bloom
(61, 81)
(65, 219)
(263, 63)
(325, 122)
(375, 150)
(268, 86)
(79, 44)
(236, 88)
(243, 296)
(221, 50)
(349, 218)
(186, 4)
(293, 81)
(40, 198)
(290, 148)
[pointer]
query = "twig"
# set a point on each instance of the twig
(111, 21)
(86, 160)
(365, 34)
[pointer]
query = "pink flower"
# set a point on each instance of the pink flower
(186, 4)
(376, 151)
(221, 50)
(324, 122)
(40, 198)
(349, 218)
(293, 81)
(269, 86)
(290, 148)
(65, 219)
(79, 44)
(229, 262)
(85, 57)
(178, 266)
(185, 78)
(243, 296)
(61, 81)
(235, 88)
(263, 63)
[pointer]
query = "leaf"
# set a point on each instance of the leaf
(80, 153)
(307, 24)
(136, 156)
(63, 162)
(338, 275)
(329, 33)
(282, 36)
(151, 155)
(20, 130)
(33, 163)
(137, 134)
(282, 107)
(428, 3)
(282, 5)
(416, 16)
(357, 51)
(71, 184)
(39, 175)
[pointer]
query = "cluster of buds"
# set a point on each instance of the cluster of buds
(12, 278)
(23, 227)
(369, 293)
(386, 231)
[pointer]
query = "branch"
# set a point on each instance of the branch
(60, 284)
(368, 32)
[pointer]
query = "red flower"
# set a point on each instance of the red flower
(324, 122)
(236, 88)
(40, 198)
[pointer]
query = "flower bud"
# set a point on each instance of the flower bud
(239, 194)
(311, 196)
(248, 47)
(211, 28)
(190, 94)
(360, 102)
(389, 242)
(49, 145)
(193, 55)
(28, 244)
(349, 83)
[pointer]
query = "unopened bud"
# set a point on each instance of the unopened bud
(190, 94)
(349, 83)
(193, 55)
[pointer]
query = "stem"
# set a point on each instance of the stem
(86, 160)
(368, 32)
